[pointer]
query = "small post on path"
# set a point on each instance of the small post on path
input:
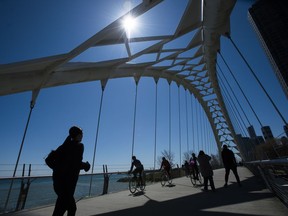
(24, 189)
(106, 180)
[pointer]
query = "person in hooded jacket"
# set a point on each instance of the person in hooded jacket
(206, 170)
(66, 162)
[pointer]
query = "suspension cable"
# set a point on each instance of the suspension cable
(134, 120)
(156, 108)
(169, 118)
(230, 99)
(253, 73)
(240, 89)
(32, 103)
(208, 136)
(197, 132)
(187, 120)
(179, 123)
(203, 129)
(226, 82)
(97, 132)
(199, 128)
(192, 126)
(231, 105)
(205, 134)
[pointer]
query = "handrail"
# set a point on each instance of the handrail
(275, 175)
(279, 161)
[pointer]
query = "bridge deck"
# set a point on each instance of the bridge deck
(182, 198)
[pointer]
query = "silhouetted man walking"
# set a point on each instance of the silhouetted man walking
(230, 163)
(66, 162)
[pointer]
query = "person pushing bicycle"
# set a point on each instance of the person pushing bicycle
(166, 166)
(138, 168)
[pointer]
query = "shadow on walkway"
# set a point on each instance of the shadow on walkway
(182, 198)
(225, 201)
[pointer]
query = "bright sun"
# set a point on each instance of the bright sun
(129, 24)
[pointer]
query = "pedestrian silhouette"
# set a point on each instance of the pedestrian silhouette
(194, 166)
(206, 170)
(66, 162)
(186, 168)
(230, 163)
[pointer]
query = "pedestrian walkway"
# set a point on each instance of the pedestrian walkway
(181, 198)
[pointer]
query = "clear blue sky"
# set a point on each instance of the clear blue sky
(33, 29)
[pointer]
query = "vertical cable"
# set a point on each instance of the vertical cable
(206, 132)
(202, 128)
(19, 154)
(197, 125)
(187, 120)
(134, 121)
(192, 126)
(155, 134)
(179, 124)
(96, 139)
(169, 118)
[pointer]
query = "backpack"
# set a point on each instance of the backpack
(191, 162)
(51, 159)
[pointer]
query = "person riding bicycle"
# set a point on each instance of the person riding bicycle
(194, 166)
(138, 168)
(166, 166)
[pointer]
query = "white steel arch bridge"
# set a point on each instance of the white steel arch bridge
(191, 65)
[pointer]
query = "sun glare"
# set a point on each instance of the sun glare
(129, 25)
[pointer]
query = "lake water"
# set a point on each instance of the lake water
(41, 191)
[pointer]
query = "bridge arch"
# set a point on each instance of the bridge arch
(195, 70)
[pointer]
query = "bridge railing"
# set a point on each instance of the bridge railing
(35, 191)
(274, 173)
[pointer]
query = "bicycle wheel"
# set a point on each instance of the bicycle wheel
(193, 180)
(132, 185)
(163, 179)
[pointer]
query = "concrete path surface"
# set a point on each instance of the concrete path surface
(181, 198)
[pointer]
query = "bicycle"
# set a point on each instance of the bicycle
(165, 178)
(196, 178)
(135, 183)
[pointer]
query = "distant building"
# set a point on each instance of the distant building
(260, 140)
(270, 21)
(251, 132)
(253, 136)
(267, 133)
(246, 147)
